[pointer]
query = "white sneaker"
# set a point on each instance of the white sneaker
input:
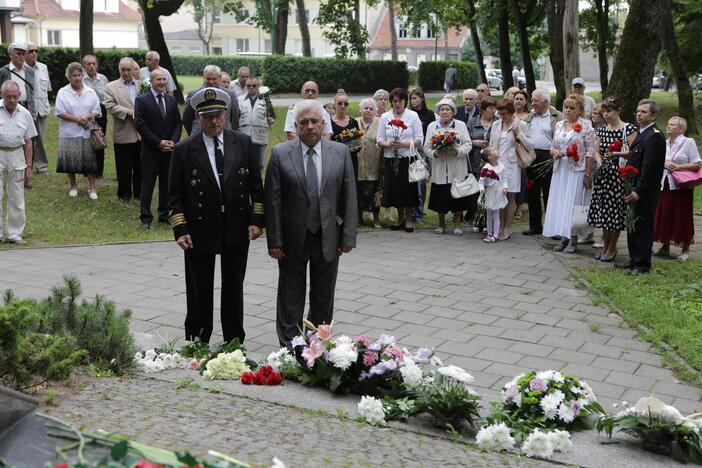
(73, 192)
(93, 195)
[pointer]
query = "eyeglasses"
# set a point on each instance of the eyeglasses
(32, 51)
(345, 104)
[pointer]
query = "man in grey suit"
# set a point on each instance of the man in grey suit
(311, 217)
(211, 78)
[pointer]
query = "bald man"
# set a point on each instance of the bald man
(309, 90)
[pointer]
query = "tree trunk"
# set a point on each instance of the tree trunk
(393, 30)
(362, 53)
(686, 103)
(86, 27)
(602, 9)
(521, 21)
(472, 24)
(505, 52)
(571, 47)
(304, 28)
(635, 62)
(154, 33)
(555, 9)
(281, 26)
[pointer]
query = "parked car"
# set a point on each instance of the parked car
(494, 78)
(657, 82)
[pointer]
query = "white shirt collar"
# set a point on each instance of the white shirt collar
(156, 93)
(641, 130)
(210, 140)
(317, 148)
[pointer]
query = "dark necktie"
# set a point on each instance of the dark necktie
(314, 220)
(162, 106)
(219, 162)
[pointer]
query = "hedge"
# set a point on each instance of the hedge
(193, 64)
(431, 75)
(287, 74)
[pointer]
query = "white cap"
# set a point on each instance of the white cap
(578, 81)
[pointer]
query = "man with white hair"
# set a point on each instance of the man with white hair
(311, 217)
(239, 86)
(542, 123)
(15, 160)
(211, 78)
(153, 59)
(470, 107)
(309, 92)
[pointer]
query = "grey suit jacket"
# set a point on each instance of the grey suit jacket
(287, 201)
(190, 119)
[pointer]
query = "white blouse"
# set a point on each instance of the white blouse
(682, 151)
(412, 132)
(71, 103)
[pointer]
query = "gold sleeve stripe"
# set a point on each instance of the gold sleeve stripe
(177, 219)
(258, 208)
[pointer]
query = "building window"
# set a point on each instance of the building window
(243, 17)
(216, 51)
(53, 37)
(267, 46)
(402, 31)
(242, 45)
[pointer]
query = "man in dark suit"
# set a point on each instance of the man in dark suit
(212, 78)
(158, 122)
(647, 154)
(311, 217)
(470, 107)
(216, 207)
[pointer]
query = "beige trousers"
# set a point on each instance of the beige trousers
(12, 165)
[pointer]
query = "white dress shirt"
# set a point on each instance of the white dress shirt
(316, 159)
(290, 122)
(541, 131)
(209, 146)
(682, 151)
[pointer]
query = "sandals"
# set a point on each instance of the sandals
(489, 239)
(598, 256)
(608, 258)
(505, 235)
(561, 247)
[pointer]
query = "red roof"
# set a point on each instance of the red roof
(52, 9)
(382, 38)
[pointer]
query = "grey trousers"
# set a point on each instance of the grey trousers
(292, 285)
(39, 158)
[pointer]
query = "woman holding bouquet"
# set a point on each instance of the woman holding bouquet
(448, 144)
(505, 134)
(399, 130)
(369, 163)
(572, 150)
(344, 128)
(607, 210)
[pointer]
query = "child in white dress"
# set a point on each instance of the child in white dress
(493, 192)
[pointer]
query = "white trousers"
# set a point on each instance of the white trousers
(12, 166)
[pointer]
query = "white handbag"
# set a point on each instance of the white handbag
(580, 213)
(418, 169)
(466, 187)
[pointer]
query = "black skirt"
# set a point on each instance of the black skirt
(365, 191)
(398, 192)
(441, 201)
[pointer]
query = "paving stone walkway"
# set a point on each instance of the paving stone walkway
(496, 310)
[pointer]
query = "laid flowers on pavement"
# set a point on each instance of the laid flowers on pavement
(263, 376)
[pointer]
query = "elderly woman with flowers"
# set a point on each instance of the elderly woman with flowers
(572, 150)
(369, 163)
(673, 221)
(448, 144)
(399, 132)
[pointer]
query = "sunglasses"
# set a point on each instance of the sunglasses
(32, 51)
(345, 104)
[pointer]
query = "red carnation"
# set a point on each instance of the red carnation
(259, 379)
(274, 378)
(578, 127)
(265, 371)
(247, 378)
(615, 146)
(633, 170)
(529, 184)
(61, 465)
(147, 464)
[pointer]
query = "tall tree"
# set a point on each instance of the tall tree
(526, 13)
(686, 102)
(635, 62)
(473, 25)
(281, 25)
(505, 50)
(151, 11)
(85, 27)
(554, 14)
(571, 45)
(393, 29)
(302, 20)
(342, 26)
(205, 12)
(603, 29)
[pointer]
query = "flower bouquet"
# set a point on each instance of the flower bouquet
(265, 375)
(265, 92)
(489, 175)
(442, 141)
(397, 126)
(661, 428)
(351, 138)
(145, 86)
(542, 169)
(573, 154)
(627, 174)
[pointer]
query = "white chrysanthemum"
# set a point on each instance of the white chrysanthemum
(411, 374)
(343, 355)
(560, 440)
(550, 403)
(588, 391)
(514, 381)
(138, 356)
(495, 438)
(670, 414)
(538, 444)
(371, 409)
(343, 340)
(646, 404)
(518, 400)
(549, 375)
(566, 413)
(434, 361)
(691, 425)
(226, 366)
(626, 412)
(278, 358)
(456, 373)
(150, 354)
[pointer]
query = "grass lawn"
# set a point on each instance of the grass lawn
(668, 302)
(55, 219)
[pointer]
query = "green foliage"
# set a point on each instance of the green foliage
(588, 27)
(342, 28)
(50, 397)
(287, 74)
(687, 15)
(431, 75)
(451, 404)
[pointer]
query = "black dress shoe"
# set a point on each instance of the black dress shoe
(145, 226)
(163, 221)
(397, 227)
(636, 272)
(409, 229)
(531, 232)
(622, 265)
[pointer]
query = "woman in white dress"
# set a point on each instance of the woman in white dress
(504, 134)
(572, 150)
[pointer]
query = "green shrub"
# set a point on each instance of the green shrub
(431, 75)
(194, 64)
(287, 74)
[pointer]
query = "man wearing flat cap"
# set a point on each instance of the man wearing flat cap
(216, 207)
